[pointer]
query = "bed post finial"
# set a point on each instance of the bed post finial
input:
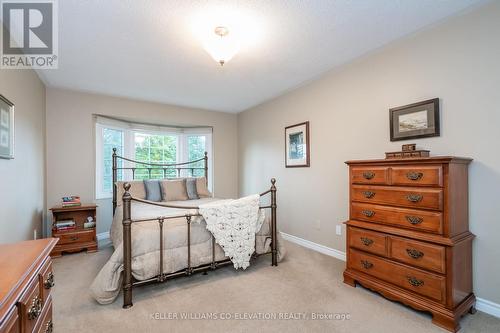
(127, 251)
(115, 164)
(206, 167)
(274, 235)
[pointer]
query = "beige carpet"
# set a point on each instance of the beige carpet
(306, 282)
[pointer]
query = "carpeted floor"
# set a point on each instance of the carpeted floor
(280, 297)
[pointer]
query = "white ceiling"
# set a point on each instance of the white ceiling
(146, 49)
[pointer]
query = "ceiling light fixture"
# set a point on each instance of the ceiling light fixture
(224, 31)
(221, 46)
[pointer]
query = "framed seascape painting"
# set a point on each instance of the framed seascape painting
(297, 145)
(6, 128)
(414, 121)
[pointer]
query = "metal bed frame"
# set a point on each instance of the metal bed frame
(128, 280)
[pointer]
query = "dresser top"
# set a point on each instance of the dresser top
(18, 261)
(418, 160)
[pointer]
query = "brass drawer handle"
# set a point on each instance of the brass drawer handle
(35, 308)
(368, 213)
(49, 327)
(368, 175)
(73, 238)
(366, 241)
(415, 254)
(369, 194)
(414, 219)
(414, 281)
(412, 175)
(366, 264)
(414, 197)
(49, 282)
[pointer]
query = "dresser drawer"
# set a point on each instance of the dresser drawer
(421, 282)
(370, 175)
(420, 254)
(75, 237)
(418, 220)
(399, 196)
(45, 325)
(417, 175)
(30, 306)
(11, 323)
(46, 278)
(369, 241)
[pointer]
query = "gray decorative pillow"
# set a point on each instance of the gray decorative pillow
(191, 188)
(153, 189)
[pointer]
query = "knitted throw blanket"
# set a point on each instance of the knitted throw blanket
(234, 224)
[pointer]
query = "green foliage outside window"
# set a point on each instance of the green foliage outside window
(161, 149)
(111, 138)
(196, 150)
(151, 148)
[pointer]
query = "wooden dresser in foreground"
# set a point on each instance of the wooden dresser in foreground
(25, 286)
(408, 234)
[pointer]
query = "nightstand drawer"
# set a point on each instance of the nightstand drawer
(75, 237)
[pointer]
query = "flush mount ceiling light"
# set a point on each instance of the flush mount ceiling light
(221, 46)
(226, 31)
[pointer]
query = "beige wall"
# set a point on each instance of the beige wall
(22, 182)
(71, 147)
(458, 61)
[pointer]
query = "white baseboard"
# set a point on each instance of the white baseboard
(103, 236)
(482, 305)
(314, 246)
(488, 307)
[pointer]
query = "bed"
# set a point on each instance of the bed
(158, 241)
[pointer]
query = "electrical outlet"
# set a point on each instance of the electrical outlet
(34, 234)
(317, 225)
(338, 229)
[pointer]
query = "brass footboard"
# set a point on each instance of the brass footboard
(191, 166)
(128, 280)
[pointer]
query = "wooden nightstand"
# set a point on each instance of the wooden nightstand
(77, 239)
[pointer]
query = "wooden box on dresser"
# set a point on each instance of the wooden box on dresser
(25, 286)
(408, 234)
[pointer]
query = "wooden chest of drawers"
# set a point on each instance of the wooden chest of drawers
(25, 287)
(408, 234)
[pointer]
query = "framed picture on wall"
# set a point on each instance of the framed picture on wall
(297, 145)
(414, 121)
(6, 128)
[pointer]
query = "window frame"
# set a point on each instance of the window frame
(100, 193)
(129, 130)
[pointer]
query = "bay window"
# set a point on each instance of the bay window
(145, 143)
